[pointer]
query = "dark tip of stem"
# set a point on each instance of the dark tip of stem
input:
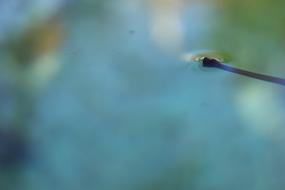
(207, 62)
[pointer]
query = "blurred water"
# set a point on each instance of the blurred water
(121, 110)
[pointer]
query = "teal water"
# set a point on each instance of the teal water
(119, 105)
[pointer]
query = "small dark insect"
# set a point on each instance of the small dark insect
(207, 62)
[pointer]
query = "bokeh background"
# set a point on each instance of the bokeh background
(94, 94)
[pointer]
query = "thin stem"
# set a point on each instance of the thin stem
(214, 63)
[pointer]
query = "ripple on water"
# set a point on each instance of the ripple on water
(198, 56)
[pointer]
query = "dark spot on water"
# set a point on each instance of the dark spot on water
(13, 149)
(131, 32)
(74, 52)
(204, 104)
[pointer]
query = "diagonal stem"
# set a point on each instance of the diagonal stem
(214, 63)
